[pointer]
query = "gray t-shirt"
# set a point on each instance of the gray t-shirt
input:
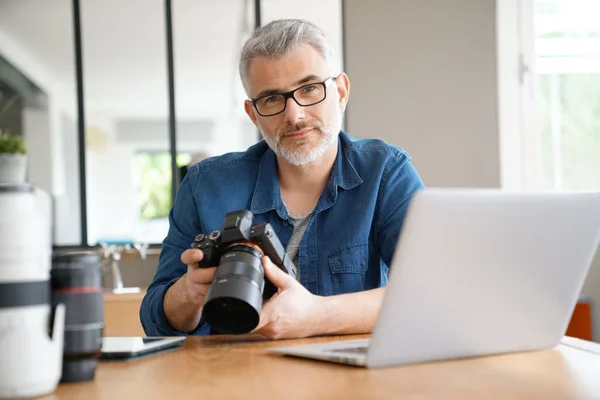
(300, 223)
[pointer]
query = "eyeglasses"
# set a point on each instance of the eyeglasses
(307, 95)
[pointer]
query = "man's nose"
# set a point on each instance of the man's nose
(293, 112)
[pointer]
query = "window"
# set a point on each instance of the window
(567, 60)
(37, 64)
(153, 182)
(140, 86)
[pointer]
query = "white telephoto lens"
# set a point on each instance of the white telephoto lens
(31, 333)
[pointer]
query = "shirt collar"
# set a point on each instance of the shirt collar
(267, 196)
(345, 174)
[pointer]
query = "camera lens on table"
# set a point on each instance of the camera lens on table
(31, 331)
(77, 283)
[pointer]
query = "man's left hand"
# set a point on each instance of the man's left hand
(292, 312)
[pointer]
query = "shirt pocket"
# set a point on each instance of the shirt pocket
(348, 266)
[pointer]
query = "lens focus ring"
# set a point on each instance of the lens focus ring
(77, 283)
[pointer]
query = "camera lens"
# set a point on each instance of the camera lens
(31, 332)
(77, 283)
(234, 299)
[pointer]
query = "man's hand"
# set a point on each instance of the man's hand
(292, 312)
(184, 300)
(197, 280)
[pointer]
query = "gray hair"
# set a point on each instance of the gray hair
(279, 37)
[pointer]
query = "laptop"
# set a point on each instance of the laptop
(477, 272)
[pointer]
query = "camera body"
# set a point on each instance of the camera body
(239, 287)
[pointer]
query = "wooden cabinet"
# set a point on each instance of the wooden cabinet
(122, 314)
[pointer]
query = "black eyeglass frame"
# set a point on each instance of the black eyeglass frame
(287, 95)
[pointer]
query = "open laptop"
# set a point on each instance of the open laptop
(477, 272)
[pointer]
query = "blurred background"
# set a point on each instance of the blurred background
(117, 98)
(124, 70)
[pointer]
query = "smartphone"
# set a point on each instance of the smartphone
(129, 347)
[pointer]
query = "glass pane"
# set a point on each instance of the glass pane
(568, 65)
(38, 102)
(208, 91)
(327, 14)
(126, 115)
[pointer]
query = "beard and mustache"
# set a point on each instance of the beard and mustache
(295, 152)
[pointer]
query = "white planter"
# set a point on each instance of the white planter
(13, 168)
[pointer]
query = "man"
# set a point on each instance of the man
(336, 203)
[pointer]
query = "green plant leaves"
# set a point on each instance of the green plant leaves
(12, 144)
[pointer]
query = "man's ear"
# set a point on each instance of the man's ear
(343, 87)
(250, 111)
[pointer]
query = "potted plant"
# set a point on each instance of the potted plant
(13, 158)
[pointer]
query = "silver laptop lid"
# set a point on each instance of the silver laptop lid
(485, 271)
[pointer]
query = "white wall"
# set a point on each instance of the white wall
(441, 79)
(67, 205)
(35, 131)
(42, 128)
(50, 138)
(423, 76)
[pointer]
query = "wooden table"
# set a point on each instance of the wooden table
(225, 367)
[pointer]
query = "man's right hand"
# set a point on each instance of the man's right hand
(184, 299)
(197, 280)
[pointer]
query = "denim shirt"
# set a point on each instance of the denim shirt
(348, 243)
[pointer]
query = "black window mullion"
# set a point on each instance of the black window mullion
(171, 84)
(80, 120)
(343, 55)
(257, 23)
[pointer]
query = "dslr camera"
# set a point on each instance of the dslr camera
(239, 287)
